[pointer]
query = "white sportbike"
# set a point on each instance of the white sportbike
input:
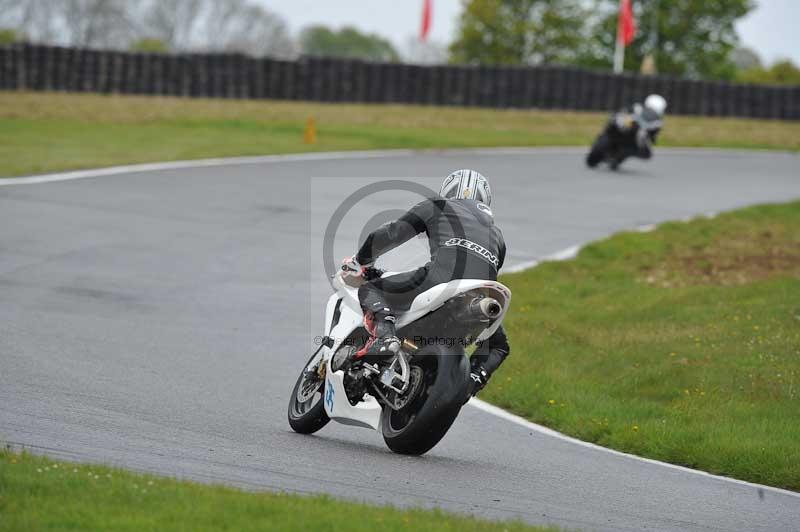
(413, 396)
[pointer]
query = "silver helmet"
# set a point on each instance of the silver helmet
(467, 184)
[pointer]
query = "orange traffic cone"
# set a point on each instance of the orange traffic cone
(311, 131)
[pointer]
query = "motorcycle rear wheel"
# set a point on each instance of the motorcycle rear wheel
(308, 416)
(418, 427)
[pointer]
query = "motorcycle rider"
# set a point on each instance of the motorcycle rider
(464, 244)
(631, 132)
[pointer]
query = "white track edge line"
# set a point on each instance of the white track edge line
(508, 416)
(200, 163)
(265, 159)
(568, 254)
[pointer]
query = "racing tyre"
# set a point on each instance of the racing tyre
(598, 151)
(306, 407)
(594, 158)
(419, 426)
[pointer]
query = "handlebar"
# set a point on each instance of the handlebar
(347, 276)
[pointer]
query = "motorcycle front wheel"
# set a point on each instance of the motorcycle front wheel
(419, 426)
(306, 408)
(598, 152)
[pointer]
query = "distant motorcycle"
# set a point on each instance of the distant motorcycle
(627, 134)
(414, 396)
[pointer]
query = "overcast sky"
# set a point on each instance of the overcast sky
(771, 29)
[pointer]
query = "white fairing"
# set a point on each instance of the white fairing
(367, 413)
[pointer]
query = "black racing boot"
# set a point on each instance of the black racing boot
(383, 342)
(478, 379)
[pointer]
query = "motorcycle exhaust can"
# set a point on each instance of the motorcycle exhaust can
(481, 309)
(489, 307)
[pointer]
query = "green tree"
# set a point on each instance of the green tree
(347, 42)
(781, 73)
(693, 39)
(518, 32)
(149, 45)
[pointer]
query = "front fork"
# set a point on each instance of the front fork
(320, 370)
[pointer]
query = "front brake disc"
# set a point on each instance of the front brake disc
(414, 387)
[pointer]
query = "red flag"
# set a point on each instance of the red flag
(427, 16)
(626, 28)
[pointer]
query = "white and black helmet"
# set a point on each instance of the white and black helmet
(467, 184)
(656, 103)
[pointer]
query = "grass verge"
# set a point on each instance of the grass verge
(41, 494)
(41, 132)
(682, 344)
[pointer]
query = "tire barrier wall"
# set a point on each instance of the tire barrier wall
(49, 68)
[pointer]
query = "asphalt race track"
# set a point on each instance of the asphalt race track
(157, 320)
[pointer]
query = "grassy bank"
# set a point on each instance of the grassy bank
(682, 344)
(41, 132)
(41, 494)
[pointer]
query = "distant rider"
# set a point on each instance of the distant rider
(464, 244)
(631, 132)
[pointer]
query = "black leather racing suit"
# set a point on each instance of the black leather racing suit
(464, 244)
